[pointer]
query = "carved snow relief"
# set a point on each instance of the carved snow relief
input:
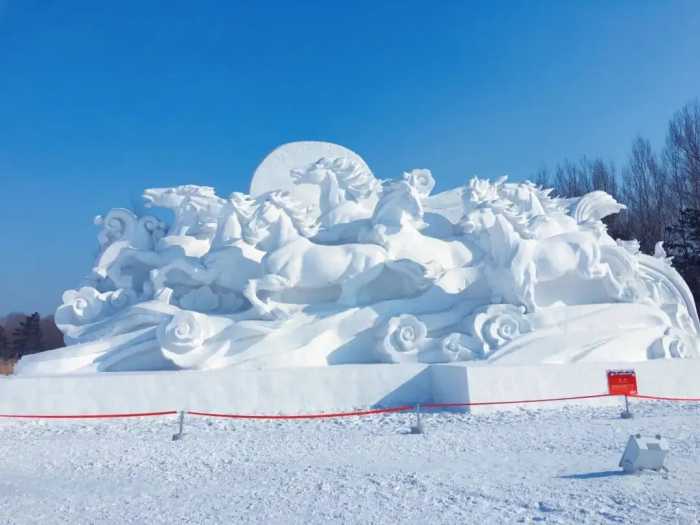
(373, 270)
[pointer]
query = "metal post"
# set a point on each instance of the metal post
(418, 427)
(626, 414)
(181, 423)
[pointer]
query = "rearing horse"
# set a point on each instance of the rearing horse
(348, 192)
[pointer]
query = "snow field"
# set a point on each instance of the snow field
(524, 466)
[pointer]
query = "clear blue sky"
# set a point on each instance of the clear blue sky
(99, 100)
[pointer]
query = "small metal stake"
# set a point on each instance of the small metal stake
(418, 427)
(181, 422)
(626, 414)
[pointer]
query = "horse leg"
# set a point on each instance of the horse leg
(589, 261)
(194, 271)
(271, 283)
(592, 267)
(613, 285)
(517, 278)
(350, 288)
(529, 281)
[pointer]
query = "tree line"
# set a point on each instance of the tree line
(26, 334)
(660, 188)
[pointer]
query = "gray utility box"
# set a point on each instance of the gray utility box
(644, 452)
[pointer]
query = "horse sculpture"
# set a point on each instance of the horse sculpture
(196, 210)
(225, 269)
(397, 222)
(122, 233)
(348, 192)
(293, 261)
(530, 239)
(176, 266)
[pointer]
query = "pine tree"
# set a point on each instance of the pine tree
(27, 337)
(682, 242)
(4, 345)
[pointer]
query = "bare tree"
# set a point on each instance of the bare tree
(541, 178)
(662, 192)
(602, 176)
(682, 155)
(569, 180)
(645, 192)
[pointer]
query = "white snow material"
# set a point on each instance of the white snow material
(367, 270)
(558, 466)
(306, 390)
(274, 172)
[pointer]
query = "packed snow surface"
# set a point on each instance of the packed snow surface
(553, 466)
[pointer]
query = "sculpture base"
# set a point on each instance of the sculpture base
(331, 389)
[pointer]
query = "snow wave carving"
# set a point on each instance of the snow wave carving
(498, 324)
(675, 344)
(80, 306)
(88, 305)
(460, 347)
(422, 180)
(182, 338)
(402, 339)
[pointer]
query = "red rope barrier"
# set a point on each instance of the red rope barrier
(395, 409)
(483, 403)
(307, 416)
(328, 415)
(663, 398)
(90, 416)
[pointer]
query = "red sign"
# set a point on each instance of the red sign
(622, 382)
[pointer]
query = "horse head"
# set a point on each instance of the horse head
(400, 205)
(233, 219)
(173, 198)
(163, 198)
(277, 219)
(314, 173)
(354, 181)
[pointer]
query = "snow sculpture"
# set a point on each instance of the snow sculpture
(294, 261)
(275, 171)
(348, 191)
(495, 325)
(182, 338)
(402, 338)
(358, 270)
(422, 180)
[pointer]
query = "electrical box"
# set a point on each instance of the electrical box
(644, 452)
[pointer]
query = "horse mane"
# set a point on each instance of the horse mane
(502, 198)
(193, 190)
(243, 204)
(298, 214)
(549, 203)
(357, 182)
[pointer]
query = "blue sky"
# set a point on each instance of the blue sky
(99, 100)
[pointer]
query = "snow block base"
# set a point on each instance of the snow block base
(293, 391)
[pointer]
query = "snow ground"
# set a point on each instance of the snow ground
(552, 466)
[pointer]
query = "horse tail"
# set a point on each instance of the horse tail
(594, 206)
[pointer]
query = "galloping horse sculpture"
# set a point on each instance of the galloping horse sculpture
(231, 262)
(531, 240)
(293, 261)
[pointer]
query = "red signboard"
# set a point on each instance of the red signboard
(622, 382)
